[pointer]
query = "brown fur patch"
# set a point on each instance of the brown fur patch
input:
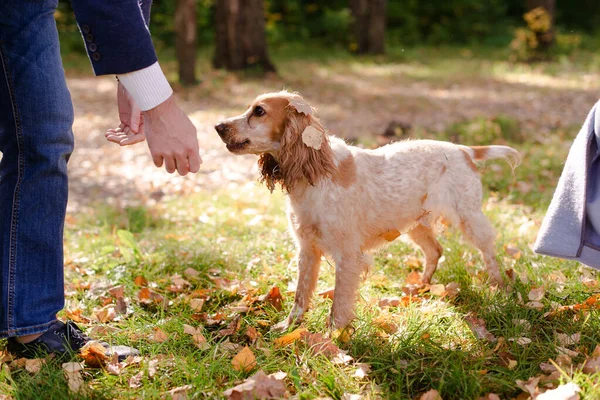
(480, 152)
(345, 175)
(423, 198)
(297, 162)
(276, 108)
(470, 161)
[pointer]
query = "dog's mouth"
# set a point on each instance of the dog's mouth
(233, 147)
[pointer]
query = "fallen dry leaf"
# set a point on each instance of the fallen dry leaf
(252, 334)
(431, 395)
(140, 281)
(147, 296)
(568, 340)
(523, 341)
(327, 293)
(413, 278)
(197, 336)
(180, 393)
(589, 304)
(244, 360)
(196, 304)
(536, 305)
(191, 273)
(76, 315)
(94, 354)
(274, 298)
(319, 344)
(72, 371)
(477, 326)
(106, 314)
(362, 370)
(259, 386)
(350, 396)
(290, 337)
(529, 386)
(136, 380)
(568, 391)
(437, 290)
(34, 365)
(568, 352)
(591, 365)
(158, 336)
(536, 294)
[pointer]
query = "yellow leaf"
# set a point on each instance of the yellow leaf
(244, 360)
(437, 290)
(94, 354)
(290, 337)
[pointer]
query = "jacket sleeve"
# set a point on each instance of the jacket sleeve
(116, 34)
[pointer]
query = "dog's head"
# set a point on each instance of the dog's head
(281, 127)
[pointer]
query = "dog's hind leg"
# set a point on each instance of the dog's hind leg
(309, 262)
(424, 237)
(479, 231)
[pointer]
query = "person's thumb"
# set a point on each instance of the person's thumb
(135, 118)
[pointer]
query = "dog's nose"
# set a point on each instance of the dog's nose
(220, 128)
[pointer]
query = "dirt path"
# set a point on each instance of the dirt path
(352, 101)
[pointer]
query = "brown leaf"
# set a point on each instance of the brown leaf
(244, 360)
(477, 326)
(437, 290)
(413, 278)
(529, 386)
(147, 296)
(140, 281)
(191, 273)
(117, 291)
(34, 365)
(290, 337)
(159, 336)
(568, 340)
(327, 293)
(536, 294)
(252, 334)
(72, 372)
(390, 301)
(274, 298)
(197, 336)
(76, 315)
(592, 365)
(259, 386)
(94, 354)
(362, 370)
(431, 395)
(319, 344)
(136, 380)
(180, 393)
(196, 304)
(106, 314)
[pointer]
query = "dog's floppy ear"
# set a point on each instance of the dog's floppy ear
(305, 153)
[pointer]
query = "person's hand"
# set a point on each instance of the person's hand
(172, 138)
(131, 129)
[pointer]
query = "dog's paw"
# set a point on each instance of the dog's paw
(282, 326)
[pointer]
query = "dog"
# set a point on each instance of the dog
(345, 201)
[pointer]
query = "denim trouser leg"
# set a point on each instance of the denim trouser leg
(36, 140)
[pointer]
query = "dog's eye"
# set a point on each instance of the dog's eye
(259, 111)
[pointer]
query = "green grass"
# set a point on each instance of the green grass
(217, 234)
(241, 235)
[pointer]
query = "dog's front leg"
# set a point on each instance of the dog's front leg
(348, 273)
(309, 260)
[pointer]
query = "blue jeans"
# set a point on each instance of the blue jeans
(36, 140)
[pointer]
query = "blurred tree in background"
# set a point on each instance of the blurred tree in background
(185, 42)
(240, 40)
(333, 23)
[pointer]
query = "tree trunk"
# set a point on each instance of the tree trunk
(369, 25)
(185, 40)
(240, 37)
(545, 39)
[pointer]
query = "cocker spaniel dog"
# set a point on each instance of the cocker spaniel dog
(345, 201)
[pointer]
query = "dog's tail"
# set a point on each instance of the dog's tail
(480, 153)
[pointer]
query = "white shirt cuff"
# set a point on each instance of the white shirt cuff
(148, 86)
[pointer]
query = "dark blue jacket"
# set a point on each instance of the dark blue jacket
(116, 34)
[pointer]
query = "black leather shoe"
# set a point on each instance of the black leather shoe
(63, 339)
